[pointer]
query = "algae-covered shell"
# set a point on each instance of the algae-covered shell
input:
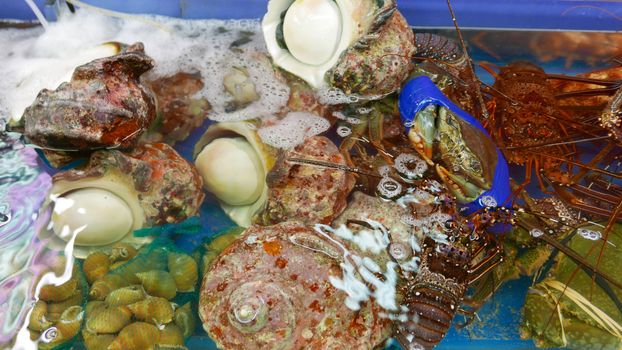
(96, 265)
(360, 46)
(185, 319)
(109, 320)
(233, 162)
(136, 336)
(184, 270)
(116, 193)
(153, 310)
(158, 283)
(271, 289)
(126, 295)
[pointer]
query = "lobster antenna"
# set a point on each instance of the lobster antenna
(478, 92)
(321, 163)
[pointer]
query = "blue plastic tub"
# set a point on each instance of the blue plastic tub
(500, 316)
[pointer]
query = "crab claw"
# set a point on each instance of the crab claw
(422, 133)
(460, 187)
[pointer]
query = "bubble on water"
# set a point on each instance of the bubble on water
(589, 234)
(535, 232)
(488, 201)
(292, 130)
(344, 131)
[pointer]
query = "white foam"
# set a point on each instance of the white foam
(293, 129)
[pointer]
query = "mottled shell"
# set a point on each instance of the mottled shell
(185, 319)
(307, 193)
(241, 214)
(94, 341)
(95, 266)
(171, 335)
(155, 310)
(38, 321)
(103, 286)
(270, 289)
(184, 270)
(126, 295)
(70, 322)
(58, 293)
(158, 283)
(109, 320)
(136, 336)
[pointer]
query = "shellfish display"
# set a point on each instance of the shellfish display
(326, 177)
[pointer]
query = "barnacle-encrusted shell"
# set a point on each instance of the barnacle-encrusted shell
(126, 295)
(238, 183)
(153, 310)
(136, 336)
(361, 46)
(308, 193)
(156, 185)
(158, 283)
(270, 289)
(104, 105)
(95, 266)
(109, 320)
(184, 270)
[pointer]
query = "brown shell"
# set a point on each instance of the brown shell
(58, 293)
(270, 290)
(95, 266)
(56, 309)
(184, 270)
(158, 283)
(103, 105)
(122, 252)
(70, 322)
(379, 62)
(94, 341)
(185, 319)
(169, 188)
(309, 194)
(38, 320)
(109, 320)
(171, 335)
(136, 336)
(103, 286)
(126, 295)
(153, 310)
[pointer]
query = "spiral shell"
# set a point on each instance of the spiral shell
(268, 291)
(103, 286)
(158, 283)
(185, 319)
(70, 322)
(184, 270)
(171, 335)
(93, 307)
(38, 321)
(109, 320)
(126, 295)
(122, 252)
(154, 309)
(94, 341)
(95, 266)
(58, 293)
(56, 309)
(136, 336)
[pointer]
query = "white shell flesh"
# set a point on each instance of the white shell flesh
(312, 29)
(99, 216)
(231, 170)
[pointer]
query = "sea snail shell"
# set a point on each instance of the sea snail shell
(233, 162)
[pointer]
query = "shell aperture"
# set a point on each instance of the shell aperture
(102, 217)
(232, 170)
(312, 29)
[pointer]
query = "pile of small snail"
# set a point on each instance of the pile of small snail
(133, 309)
(57, 315)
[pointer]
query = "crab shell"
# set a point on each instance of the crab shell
(270, 290)
(247, 144)
(151, 185)
(104, 105)
(362, 47)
